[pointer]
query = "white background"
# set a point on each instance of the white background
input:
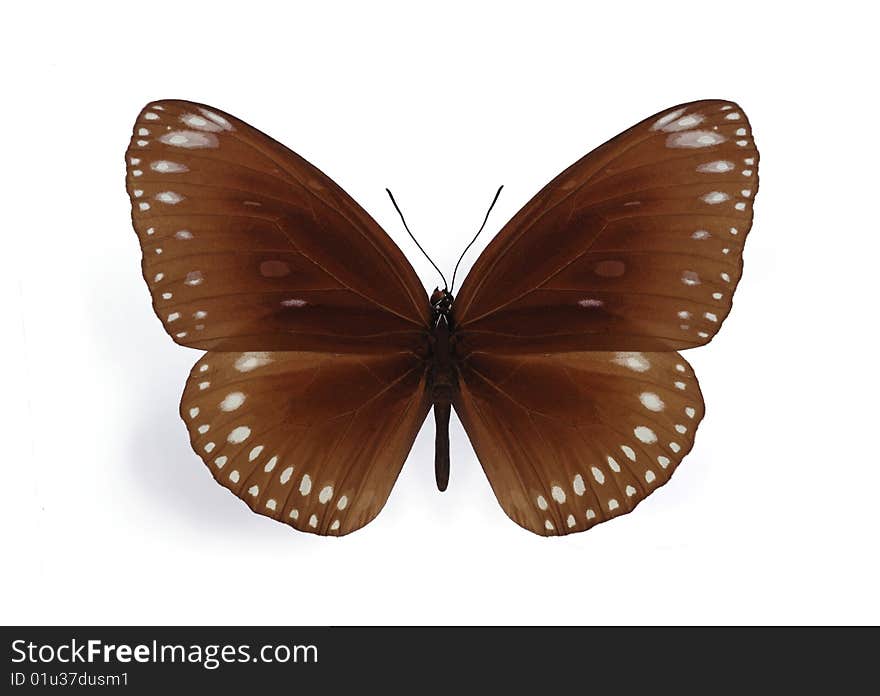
(109, 517)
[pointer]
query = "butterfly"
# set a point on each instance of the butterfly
(324, 353)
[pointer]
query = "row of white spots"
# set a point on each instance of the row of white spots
(234, 400)
(571, 521)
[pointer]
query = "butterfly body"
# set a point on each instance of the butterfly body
(443, 379)
(559, 353)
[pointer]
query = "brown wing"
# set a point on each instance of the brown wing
(249, 247)
(637, 246)
(572, 440)
(314, 441)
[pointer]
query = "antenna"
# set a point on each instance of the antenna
(445, 285)
(492, 205)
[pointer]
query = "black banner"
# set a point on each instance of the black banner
(148, 659)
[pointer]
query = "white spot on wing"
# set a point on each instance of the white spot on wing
(695, 138)
(714, 197)
(199, 122)
(252, 360)
(189, 139)
(239, 434)
(645, 434)
(666, 119)
(590, 302)
(232, 401)
(635, 361)
(166, 167)
(718, 166)
(690, 278)
(652, 401)
(217, 118)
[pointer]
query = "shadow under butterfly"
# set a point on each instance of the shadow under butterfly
(325, 354)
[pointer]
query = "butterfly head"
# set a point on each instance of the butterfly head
(441, 302)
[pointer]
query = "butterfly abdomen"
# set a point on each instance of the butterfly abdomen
(443, 383)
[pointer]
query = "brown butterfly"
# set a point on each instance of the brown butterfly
(325, 354)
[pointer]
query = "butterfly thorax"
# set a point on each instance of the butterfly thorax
(442, 358)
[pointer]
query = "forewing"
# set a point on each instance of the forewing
(248, 246)
(571, 440)
(314, 441)
(637, 246)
